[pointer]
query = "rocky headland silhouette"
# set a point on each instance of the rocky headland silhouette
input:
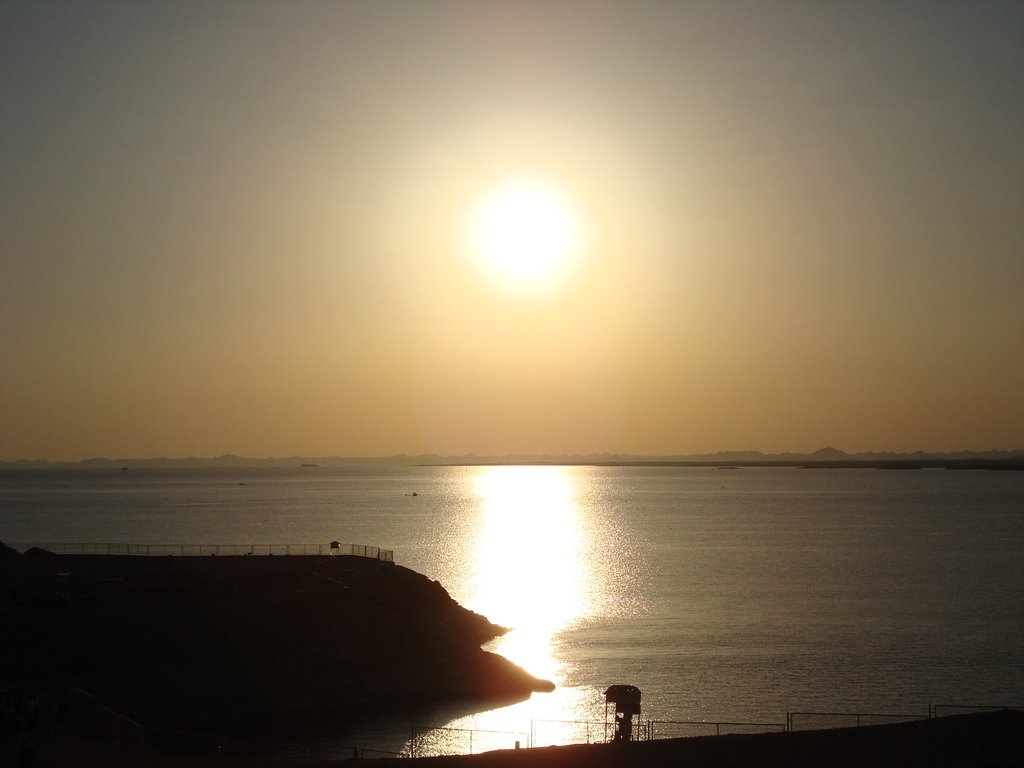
(248, 646)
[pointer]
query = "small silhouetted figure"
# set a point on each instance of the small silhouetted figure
(335, 547)
(26, 755)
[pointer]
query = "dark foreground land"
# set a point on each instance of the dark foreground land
(125, 661)
(968, 741)
(254, 648)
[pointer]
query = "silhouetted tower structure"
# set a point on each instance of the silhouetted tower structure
(626, 699)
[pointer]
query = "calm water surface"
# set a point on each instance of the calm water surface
(725, 595)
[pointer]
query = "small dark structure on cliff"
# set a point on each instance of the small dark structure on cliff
(626, 699)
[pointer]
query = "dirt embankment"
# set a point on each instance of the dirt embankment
(247, 646)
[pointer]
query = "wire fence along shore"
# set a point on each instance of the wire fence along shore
(196, 550)
(50, 712)
(98, 722)
(435, 741)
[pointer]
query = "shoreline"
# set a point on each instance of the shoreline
(201, 626)
(990, 739)
(280, 647)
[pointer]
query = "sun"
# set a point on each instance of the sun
(526, 233)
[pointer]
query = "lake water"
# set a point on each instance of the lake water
(723, 594)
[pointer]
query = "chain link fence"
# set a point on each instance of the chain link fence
(196, 550)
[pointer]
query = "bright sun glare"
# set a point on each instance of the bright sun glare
(526, 233)
(530, 544)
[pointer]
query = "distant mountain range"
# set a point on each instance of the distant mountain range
(822, 457)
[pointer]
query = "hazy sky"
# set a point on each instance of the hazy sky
(240, 227)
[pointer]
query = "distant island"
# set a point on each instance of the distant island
(823, 458)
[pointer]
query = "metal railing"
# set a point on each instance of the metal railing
(874, 718)
(588, 729)
(718, 726)
(933, 709)
(857, 719)
(196, 550)
(432, 741)
(85, 717)
(362, 550)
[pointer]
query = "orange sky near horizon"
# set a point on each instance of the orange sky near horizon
(241, 228)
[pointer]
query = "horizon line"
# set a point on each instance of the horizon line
(822, 454)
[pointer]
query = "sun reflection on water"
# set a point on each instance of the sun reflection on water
(528, 572)
(533, 569)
